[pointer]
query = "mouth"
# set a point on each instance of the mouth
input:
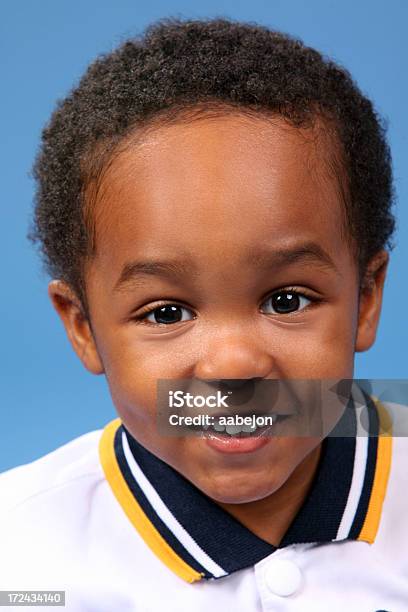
(236, 439)
(226, 425)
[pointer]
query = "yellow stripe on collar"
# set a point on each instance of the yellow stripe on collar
(133, 510)
(382, 470)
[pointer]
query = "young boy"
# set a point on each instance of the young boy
(214, 203)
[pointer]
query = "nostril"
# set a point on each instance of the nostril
(241, 391)
(235, 383)
(232, 383)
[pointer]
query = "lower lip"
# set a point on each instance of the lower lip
(225, 443)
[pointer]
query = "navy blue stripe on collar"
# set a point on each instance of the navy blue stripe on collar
(372, 443)
(148, 509)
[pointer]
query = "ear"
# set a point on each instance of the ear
(76, 324)
(371, 301)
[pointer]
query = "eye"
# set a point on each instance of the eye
(168, 314)
(287, 301)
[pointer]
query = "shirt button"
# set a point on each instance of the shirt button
(283, 577)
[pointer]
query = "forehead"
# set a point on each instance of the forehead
(213, 188)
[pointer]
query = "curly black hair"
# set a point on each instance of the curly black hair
(189, 64)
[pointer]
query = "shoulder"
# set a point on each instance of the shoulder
(67, 467)
(61, 528)
(392, 537)
(46, 511)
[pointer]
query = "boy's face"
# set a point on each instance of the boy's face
(219, 199)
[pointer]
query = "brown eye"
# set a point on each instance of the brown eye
(167, 314)
(285, 302)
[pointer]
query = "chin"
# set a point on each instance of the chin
(230, 490)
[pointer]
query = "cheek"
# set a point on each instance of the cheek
(132, 369)
(324, 349)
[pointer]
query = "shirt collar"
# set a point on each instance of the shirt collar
(197, 539)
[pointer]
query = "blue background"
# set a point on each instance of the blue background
(47, 397)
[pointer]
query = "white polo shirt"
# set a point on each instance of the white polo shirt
(118, 530)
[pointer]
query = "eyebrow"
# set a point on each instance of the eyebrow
(307, 252)
(133, 272)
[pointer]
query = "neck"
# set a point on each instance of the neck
(270, 517)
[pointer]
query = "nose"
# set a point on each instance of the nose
(234, 359)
